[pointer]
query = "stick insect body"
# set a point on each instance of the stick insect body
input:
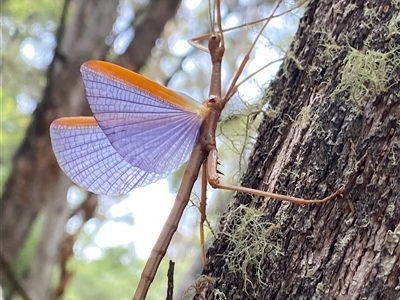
(103, 154)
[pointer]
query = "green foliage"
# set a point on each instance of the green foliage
(12, 130)
(111, 277)
(21, 10)
(25, 255)
(105, 278)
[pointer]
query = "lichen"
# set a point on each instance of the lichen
(331, 48)
(304, 117)
(396, 3)
(200, 287)
(218, 295)
(366, 73)
(393, 26)
(253, 240)
(393, 155)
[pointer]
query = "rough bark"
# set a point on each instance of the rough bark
(36, 183)
(336, 107)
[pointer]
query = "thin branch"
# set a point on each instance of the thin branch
(170, 286)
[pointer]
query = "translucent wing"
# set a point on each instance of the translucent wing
(141, 132)
(86, 155)
(151, 127)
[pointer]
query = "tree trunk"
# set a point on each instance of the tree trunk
(336, 109)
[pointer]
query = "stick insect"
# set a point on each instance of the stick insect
(142, 131)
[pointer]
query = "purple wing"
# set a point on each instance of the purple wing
(150, 133)
(140, 133)
(85, 154)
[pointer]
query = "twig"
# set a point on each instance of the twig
(170, 286)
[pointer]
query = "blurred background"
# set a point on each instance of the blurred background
(58, 241)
